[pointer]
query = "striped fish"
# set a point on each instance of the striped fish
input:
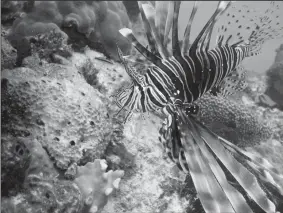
(178, 77)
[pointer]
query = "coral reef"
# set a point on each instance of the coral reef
(151, 184)
(45, 196)
(8, 53)
(49, 126)
(50, 44)
(233, 120)
(95, 22)
(89, 72)
(43, 193)
(16, 160)
(11, 10)
(57, 121)
(275, 79)
(47, 103)
(279, 54)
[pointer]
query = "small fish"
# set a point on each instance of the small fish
(177, 77)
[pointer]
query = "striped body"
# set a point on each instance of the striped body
(176, 80)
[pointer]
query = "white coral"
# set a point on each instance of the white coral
(96, 184)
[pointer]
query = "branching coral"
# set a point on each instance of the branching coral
(233, 120)
(96, 185)
(95, 21)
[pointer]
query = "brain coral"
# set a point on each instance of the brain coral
(47, 103)
(233, 121)
(96, 20)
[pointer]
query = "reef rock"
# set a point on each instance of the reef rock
(8, 53)
(52, 121)
(95, 24)
(275, 79)
(152, 183)
(89, 191)
(56, 105)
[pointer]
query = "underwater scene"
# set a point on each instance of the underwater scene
(141, 106)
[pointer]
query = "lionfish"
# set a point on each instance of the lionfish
(177, 77)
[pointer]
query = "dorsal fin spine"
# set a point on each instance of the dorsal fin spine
(175, 39)
(149, 13)
(186, 41)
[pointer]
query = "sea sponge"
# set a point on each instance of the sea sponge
(46, 102)
(233, 120)
(96, 184)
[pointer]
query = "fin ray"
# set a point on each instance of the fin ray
(149, 36)
(127, 33)
(161, 11)
(169, 22)
(236, 199)
(186, 41)
(209, 191)
(149, 12)
(245, 178)
(175, 39)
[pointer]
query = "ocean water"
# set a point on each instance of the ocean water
(259, 63)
